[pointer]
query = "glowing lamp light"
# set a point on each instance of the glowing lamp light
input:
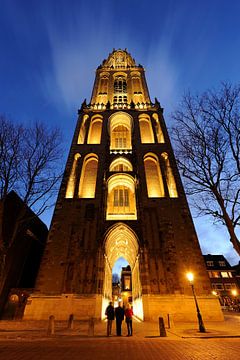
(234, 292)
(190, 276)
(214, 293)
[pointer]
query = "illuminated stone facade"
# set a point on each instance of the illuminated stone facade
(121, 196)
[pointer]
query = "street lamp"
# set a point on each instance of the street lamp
(190, 278)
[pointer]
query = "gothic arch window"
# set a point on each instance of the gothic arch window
(82, 132)
(136, 87)
(120, 131)
(145, 129)
(72, 178)
(95, 130)
(120, 164)
(159, 133)
(120, 89)
(88, 176)
(171, 184)
(103, 88)
(155, 187)
(121, 202)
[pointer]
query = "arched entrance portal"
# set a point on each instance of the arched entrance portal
(121, 241)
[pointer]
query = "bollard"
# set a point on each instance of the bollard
(170, 321)
(50, 330)
(162, 327)
(91, 327)
(70, 321)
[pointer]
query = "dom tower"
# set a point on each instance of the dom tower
(121, 196)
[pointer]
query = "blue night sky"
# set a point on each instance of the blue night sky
(51, 48)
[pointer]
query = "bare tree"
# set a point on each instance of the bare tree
(206, 136)
(30, 164)
(30, 161)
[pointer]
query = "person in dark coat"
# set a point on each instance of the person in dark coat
(119, 314)
(110, 317)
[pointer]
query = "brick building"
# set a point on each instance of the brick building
(22, 236)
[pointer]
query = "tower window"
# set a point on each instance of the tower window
(121, 203)
(88, 177)
(153, 174)
(172, 189)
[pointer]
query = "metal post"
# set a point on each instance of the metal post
(162, 327)
(70, 321)
(91, 326)
(199, 316)
(50, 330)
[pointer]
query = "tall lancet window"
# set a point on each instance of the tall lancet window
(121, 202)
(103, 88)
(136, 87)
(72, 178)
(88, 176)
(95, 130)
(120, 131)
(82, 132)
(146, 129)
(159, 133)
(120, 90)
(153, 174)
(171, 184)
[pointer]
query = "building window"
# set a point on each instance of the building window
(222, 263)
(146, 129)
(214, 274)
(159, 133)
(210, 263)
(121, 202)
(153, 175)
(88, 177)
(226, 274)
(172, 189)
(82, 132)
(120, 164)
(72, 178)
(120, 131)
(218, 286)
(127, 282)
(229, 286)
(95, 131)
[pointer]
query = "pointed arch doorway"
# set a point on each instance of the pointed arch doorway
(121, 241)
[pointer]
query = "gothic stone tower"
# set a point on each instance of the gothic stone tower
(121, 196)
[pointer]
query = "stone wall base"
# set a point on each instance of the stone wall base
(40, 307)
(180, 307)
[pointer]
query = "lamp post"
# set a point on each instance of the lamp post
(190, 278)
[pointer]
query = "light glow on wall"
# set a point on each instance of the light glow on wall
(72, 178)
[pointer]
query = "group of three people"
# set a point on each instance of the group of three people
(119, 314)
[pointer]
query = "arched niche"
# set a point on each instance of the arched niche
(159, 133)
(155, 187)
(120, 130)
(72, 178)
(88, 178)
(82, 132)
(121, 241)
(120, 164)
(171, 184)
(146, 129)
(95, 130)
(121, 201)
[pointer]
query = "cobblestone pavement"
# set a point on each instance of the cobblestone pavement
(120, 348)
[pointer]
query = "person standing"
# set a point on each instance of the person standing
(128, 317)
(110, 317)
(119, 314)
